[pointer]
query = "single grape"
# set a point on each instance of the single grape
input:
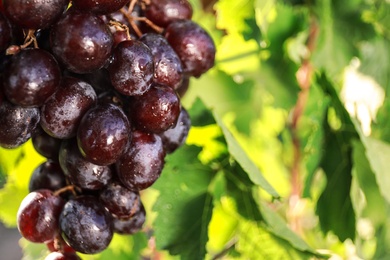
(99, 6)
(47, 175)
(38, 214)
(62, 112)
(81, 172)
(35, 14)
(103, 134)
(81, 41)
(85, 225)
(155, 111)
(120, 201)
(5, 33)
(175, 137)
(16, 124)
(163, 12)
(131, 225)
(168, 69)
(45, 144)
(142, 163)
(31, 78)
(131, 69)
(62, 256)
(193, 45)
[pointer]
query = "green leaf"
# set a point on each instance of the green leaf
(311, 134)
(334, 206)
(254, 241)
(232, 15)
(279, 228)
(375, 206)
(375, 61)
(378, 154)
(340, 27)
(246, 163)
(184, 205)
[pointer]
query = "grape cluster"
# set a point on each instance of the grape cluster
(96, 85)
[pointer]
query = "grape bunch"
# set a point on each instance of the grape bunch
(96, 86)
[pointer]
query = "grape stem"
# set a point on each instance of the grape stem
(65, 189)
(127, 13)
(304, 77)
(29, 39)
(120, 27)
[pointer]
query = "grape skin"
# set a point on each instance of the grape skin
(99, 6)
(81, 172)
(47, 175)
(63, 111)
(81, 41)
(38, 214)
(103, 134)
(5, 32)
(31, 78)
(120, 201)
(85, 225)
(155, 111)
(142, 163)
(17, 124)
(36, 14)
(131, 68)
(194, 46)
(163, 12)
(168, 69)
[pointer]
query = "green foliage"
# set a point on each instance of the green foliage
(279, 163)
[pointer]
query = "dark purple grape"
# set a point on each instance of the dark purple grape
(45, 145)
(193, 45)
(34, 14)
(62, 256)
(120, 201)
(81, 41)
(38, 215)
(16, 124)
(85, 225)
(142, 163)
(99, 6)
(103, 134)
(155, 111)
(47, 175)
(62, 112)
(167, 65)
(175, 137)
(31, 78)
(5, 33)
(131, 225)
(163, 12)
(131, 69)
(81, 172)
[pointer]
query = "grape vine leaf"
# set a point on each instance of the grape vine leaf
(334, 206)
(184, 205)
(378, 154)
(312, 133)
(246, 163)
(279, 227)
